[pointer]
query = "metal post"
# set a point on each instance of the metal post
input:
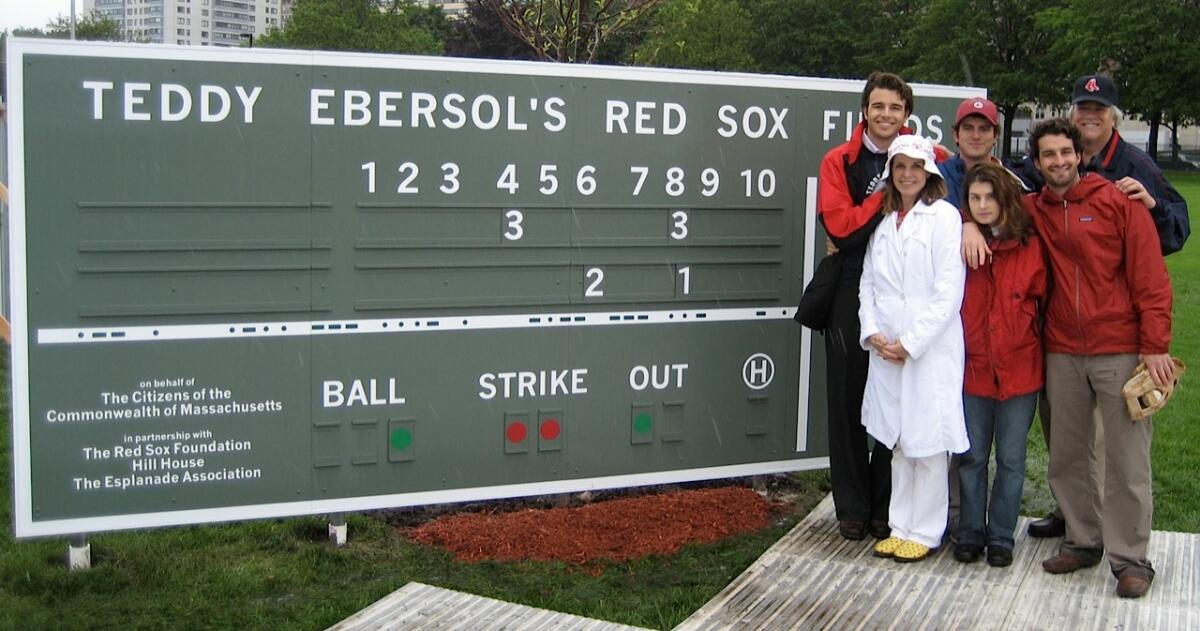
(338, 529)
(79, 554)
(72, 19)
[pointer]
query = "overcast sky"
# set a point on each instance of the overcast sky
(34, 13)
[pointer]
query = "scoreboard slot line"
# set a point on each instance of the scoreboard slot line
(438, 244)
(203, 206)
(653, 242)
(391, 304)
(383, 206)
(657, 207)
(658, 262)
(213, 245)
(489, 265)
(694, 242)
(195, 309)
(192, 269)
(295, 328)
(509, 301)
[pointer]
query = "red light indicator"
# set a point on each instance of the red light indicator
(516, 432)
(550, 429)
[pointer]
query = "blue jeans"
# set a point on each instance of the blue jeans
(981, 521)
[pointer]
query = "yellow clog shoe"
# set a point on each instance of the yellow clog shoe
(886, 548)
(910, 552)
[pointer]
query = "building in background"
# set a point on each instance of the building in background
(453, 9)
(210, 22)
(193, 22)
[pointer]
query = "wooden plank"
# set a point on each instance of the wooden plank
(420, 606)
(814, 579)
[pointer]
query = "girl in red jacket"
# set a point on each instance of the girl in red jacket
(1004, 368)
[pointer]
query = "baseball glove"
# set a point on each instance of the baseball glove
(1142, 397)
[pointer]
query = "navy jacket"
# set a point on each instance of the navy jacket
(954, 171)
(1118, 160)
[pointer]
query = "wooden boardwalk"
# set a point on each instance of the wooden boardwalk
(420, 606)
(814, 579)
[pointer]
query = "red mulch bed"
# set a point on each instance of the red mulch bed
(616, 529)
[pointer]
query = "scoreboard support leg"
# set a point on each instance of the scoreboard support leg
(79, 554)
(337, 529)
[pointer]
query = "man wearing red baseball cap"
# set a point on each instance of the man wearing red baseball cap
(975, 131)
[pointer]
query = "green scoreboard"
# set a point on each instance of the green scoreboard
(256, 283)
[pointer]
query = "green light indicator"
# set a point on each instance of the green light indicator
(642, 423)
(401, 438)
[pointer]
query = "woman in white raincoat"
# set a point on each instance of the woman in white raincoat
(911, 292)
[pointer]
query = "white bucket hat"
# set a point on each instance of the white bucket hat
(915, 147)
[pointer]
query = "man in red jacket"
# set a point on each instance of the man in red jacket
(848, 204)
(1110, 308)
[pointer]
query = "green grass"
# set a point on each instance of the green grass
(283, 574)
(1176, 448)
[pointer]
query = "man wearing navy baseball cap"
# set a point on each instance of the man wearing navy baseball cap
(1095, 112)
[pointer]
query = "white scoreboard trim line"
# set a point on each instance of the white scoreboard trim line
(236, 330)
(810, 256)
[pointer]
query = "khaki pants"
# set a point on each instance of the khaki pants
(1116, 515)
(1096, 472)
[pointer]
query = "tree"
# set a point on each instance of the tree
(1000, 44)
(363, 25)
(571, 31)
(814, 38)
(93, 27)
(848, 39)
(479, 34)
(1148, 47)
(699, 34)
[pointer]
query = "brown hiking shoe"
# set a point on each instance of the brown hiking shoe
(1066, 562)
(1132, 585)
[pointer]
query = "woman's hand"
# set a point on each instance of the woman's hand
(894, 352)
(887, 350)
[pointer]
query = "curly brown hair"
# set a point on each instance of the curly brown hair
(1013, 222)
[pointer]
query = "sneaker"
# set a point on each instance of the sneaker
(999, 557)
(910, 552)
(887, 548)
(967, 552)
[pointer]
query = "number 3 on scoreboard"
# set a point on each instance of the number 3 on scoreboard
(513, 230)
(679, 229)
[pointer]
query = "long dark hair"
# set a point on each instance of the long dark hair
(1013, 222)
